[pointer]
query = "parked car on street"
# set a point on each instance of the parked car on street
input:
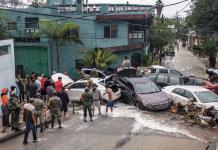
(204, 83)
(76, 89)
(143, 93)
(163, 70)
(163, 80)
(66, 80)
(88, 71)
(201, 96)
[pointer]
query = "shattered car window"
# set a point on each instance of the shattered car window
(207, 96)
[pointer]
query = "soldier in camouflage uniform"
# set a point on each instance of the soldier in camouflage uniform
(39, 106)
(87, 100)
(55, 106)
(14, 108)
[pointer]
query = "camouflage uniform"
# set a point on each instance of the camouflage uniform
(55, 106)
(39, 106)
(87, 103)
(14, 108)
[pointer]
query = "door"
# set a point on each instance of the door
(178, 96)
(75, 91)
(136, 60)
(33, 59)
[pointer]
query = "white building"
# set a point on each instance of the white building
(7, 64)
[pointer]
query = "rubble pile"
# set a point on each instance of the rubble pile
(193, 114)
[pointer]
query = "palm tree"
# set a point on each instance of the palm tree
(98, 58)
(159, 6)
(60, 34)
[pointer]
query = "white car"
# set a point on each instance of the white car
(76, 89)
(65, 79)
(202, 97)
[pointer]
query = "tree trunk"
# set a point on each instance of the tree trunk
(58, 57)
(212, 60)
(160, 57)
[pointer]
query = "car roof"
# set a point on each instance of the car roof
(189, 88)
(158, 67)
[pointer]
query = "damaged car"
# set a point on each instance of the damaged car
(141, 91)
(76, 89)
(201, 96)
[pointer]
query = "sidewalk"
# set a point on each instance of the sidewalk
(9, 134)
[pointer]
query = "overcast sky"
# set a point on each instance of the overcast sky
(168, 11)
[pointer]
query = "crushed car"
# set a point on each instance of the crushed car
(140, 91)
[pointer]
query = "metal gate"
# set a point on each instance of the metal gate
(30, 59)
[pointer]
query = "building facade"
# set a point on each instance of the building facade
(120, 28)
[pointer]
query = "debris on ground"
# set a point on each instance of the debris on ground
(193, 114)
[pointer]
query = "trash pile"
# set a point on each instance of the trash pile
(193, 114)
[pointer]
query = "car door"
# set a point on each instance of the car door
(178, 96)
(75, 91)
(162, 80)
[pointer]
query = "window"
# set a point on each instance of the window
(189, 95)
(81, 85)
(200, 83)
(12, 26)
(3, 50)
(165, 71)
(153, 70)
(175, 73)
(179, 91)
(110, 31)
(32, 22)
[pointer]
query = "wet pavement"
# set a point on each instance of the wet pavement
(127, 128)
(186, 62)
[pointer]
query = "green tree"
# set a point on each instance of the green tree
(203, 19)
(3, 27)
(210, 48)
(161, 35)
(98, 58)
(60, 34)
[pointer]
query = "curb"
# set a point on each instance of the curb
(16, 134)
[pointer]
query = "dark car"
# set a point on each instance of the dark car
(204, 83)
(163, 80)
(143, 93)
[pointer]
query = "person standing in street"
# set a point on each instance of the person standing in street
(21, 88)
(40, 107)
(33, 89)
(96, 95)
(55, 105)
(14, 107)
(43, 89)
(126, 62)
(110, 101)
(27, 89)
(4, 108)
(58, 85)
(65, 101)
(87, 100)
(30, 121)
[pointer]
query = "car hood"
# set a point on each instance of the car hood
(65, 79)
(215, 104)
(154, 98)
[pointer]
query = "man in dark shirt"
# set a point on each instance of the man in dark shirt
(33, 89)
(30, 121)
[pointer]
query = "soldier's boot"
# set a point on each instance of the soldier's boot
(91, 119)
(59, 122)
(85, 119)
(41, 129)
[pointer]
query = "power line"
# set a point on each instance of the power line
(183, 8)
(176, 3)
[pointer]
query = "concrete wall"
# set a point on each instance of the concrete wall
(7, 67)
